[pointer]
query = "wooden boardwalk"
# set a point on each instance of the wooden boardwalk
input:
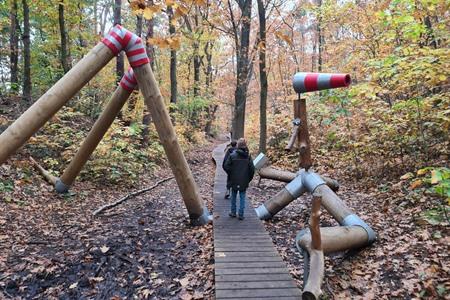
(247, 266)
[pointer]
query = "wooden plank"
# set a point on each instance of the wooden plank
(250, 271)
(245, 254)
(250, 265)
(254, 277)
(247, 266)
(225, 294)
(255, 285)
(238, 259)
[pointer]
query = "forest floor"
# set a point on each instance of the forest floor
(52, 247)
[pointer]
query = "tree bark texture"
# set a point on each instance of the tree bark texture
(262, 78)
(305, 161)
(120, 65)
(173, 61)
(46, 106)
(177, 161)
(65, 59)
(14, 47)
(147, 118)
(26, 52)
(242, 68)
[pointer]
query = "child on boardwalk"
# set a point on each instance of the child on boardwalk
(240, 169)
(230, 149)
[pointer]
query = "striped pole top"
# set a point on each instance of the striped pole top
(310, 82)
(128, 81)
(119, 39)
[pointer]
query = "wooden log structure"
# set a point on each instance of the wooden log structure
(294, 135)
(286, 176)
(101, 126)
(49, 103)
(137, 56)
(305, 161)
(197, 210)
(312, 289)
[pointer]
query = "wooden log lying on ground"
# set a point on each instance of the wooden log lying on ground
(49, 103)
(286, 176)
(46, 174)
(335, 239)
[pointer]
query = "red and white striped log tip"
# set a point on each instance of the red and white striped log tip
(119, 39)
(128, 81)
(309, 82)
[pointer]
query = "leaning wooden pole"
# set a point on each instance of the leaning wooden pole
(119, 39)
(48, 104)
(101, 126)
(198, 212)
(312, 289)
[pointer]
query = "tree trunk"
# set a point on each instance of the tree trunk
(173, 61)
(242, 68)
(26, 52)
(119, 62)
(139, 26)
(262, 78)
(65, 59)
(196, 69)
(14, 47)
(320, 38)
(147, 118)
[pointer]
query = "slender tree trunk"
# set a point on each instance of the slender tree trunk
(173, 61)
(117, 20)
(320, 38)
(26, 52)
(14, 47)
(139, 24)
(147, 118)
(65, 59)
(197, 61)
(242, 67)
(262, 78)
(208, 71)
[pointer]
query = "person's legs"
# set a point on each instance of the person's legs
(233, 203)
(227, 192)
(241, 204)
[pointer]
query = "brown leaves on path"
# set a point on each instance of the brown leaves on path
(52, 247)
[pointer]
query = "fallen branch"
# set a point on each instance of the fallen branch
(46, 174)
(123, 199)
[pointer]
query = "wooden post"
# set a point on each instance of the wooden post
(333, 204)
(314, 222)
(94, 137)
(294, 135)
(305, 161)
(153, 99)
(49, 103)
(312, 288)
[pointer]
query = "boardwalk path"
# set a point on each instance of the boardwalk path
(247, 266)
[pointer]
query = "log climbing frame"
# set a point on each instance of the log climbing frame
(141, 75)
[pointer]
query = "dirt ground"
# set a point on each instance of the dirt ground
(51, 247)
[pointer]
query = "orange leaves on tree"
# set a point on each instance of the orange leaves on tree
(284, 37)
(170, 42)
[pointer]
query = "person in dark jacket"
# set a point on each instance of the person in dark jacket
(240, 169)
(230, 149)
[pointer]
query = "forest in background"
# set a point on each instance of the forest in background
(223, 64)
